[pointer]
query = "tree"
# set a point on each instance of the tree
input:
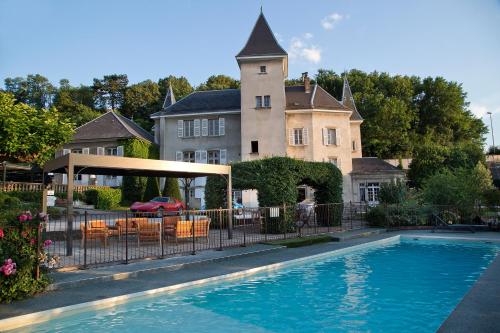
(152, 189)
(67, 102)
(28, 134)
(141, 100)
(493, 150)
(180, 86)
(171, 188)
(35, 90)
(110, 91)
(219, 82)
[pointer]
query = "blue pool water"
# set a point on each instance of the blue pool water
(407, 285)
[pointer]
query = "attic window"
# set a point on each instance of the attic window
(263, 70)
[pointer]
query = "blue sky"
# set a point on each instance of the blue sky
(80, 40)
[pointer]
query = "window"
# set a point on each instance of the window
(255, 147)
(258, 101)
(77, 151)
(298, 136)
(334, 161)
(214, 157)
(188, 128)
(332, 136)
(188, 156)
(369, 192)
(213, 127)
(263, 69)
(267, 101)
(354, 145)
(112, 151)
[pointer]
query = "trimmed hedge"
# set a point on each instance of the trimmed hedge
(276, 181)
(171, 188)
(107, 198)
(134, 188)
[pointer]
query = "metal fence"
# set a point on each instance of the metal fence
(121, 237)
(39, 187)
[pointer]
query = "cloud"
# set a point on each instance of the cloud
(301, 50)
(330, 21)
(481, 111)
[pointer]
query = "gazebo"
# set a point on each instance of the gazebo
(76, 164)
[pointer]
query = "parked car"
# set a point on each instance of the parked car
(159, 205)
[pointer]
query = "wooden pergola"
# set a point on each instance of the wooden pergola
(77, 164)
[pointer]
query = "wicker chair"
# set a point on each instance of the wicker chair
(148, 232)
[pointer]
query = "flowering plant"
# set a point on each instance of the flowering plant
(20, 254)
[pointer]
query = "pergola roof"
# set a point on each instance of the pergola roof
(128, 166)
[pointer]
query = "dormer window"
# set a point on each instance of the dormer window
(263, 70)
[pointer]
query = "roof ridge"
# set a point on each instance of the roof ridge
(330, 95)
(129, 128)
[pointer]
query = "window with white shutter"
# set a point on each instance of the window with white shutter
(298, 136)
(305, 134)
(203, 156)
(178, 156)
(222, 126)
(86, 151)
(223, 156)
(325, 136)
(100, 150)
(197, 127)
(204, 127)
(213, 157)
(197, 156)
(291, 137)
(119, 151)
(66, 151)
(213, 127)
(180, 128)
(331, 136)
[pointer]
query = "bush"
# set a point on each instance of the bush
(27, 196)
(492, 197)
(171, 188)
(152, 189)
(106, 198)
(377, 217)
(19, 256)
(393, 193)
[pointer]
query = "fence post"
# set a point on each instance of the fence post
(350, 212)
(162, 235)
(266, 221)
(193, 232)
(85, 241)
(220, 229)
(126, 237)
(244, 229)
(284, 221)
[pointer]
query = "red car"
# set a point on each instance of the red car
(159, 205)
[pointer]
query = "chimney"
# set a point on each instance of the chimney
(307, 83)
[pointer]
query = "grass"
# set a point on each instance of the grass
(301, 241)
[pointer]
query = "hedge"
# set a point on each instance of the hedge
(276, 180)
(171, 188)
(133, 188)
(107, 198)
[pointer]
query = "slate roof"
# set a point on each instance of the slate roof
(261, 41)
(348, 100)
(297, 98)
(370, 165)
(205, 101)
(111, 126)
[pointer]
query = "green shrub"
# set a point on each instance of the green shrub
(27, 196)
(152, 189)
(492, 197)
(105, 198)
(377, 216)
(171, 188)
(91, 197)
(393, 193)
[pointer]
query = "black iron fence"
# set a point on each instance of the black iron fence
(120, 237)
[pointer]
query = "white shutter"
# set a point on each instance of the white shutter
(119, 151)
(197, 156)
(337, 137)
(290, 137)
(204, 127)
(66, 151)
(339, 163)
(178, 156)
(197, 127)
(325, 136)
(203, 156)
(65, 179)
(222, 126)
(180, 128)
(223, 156)
(100, 150)
(86, 151)
(305, 136)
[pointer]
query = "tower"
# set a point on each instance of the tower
(263, 69)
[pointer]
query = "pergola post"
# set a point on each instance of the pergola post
(69, 207)
(229, 206)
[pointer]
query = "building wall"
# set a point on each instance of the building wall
(356, 136)
(267, 125)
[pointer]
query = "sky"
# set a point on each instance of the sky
(81, 40)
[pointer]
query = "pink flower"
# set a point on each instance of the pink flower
(47, 243)
(29, 217)
(1, 233)
(32, 241)
(8, 267)
(23, 217)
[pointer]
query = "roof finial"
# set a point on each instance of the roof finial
(261, 9)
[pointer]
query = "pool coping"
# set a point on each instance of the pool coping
(46, 315)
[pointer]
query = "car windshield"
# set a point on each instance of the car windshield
(161, 199)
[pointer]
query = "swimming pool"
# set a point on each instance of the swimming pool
(406, 285)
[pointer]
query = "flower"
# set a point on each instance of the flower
(47, 243)
(1, 233)
(24, 234)
(32, 241)
(23, 217)
(8, 268)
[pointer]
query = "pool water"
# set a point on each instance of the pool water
(407, 285)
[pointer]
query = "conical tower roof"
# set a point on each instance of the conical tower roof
(169, 98)
(348, 100)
